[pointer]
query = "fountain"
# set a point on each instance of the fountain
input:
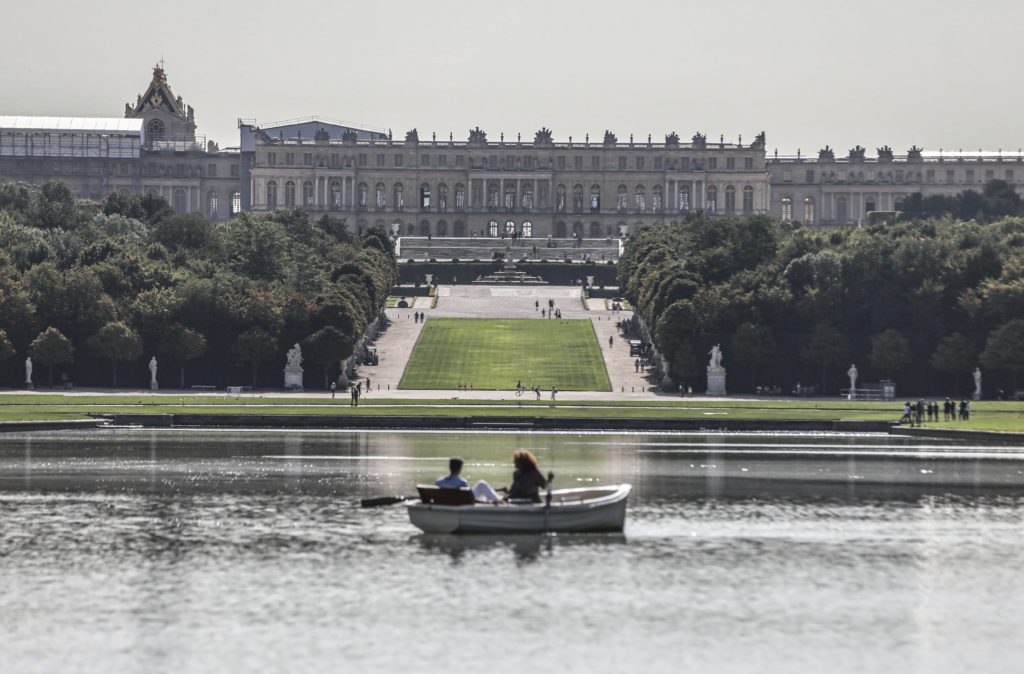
(509, 275)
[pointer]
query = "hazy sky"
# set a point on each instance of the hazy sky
(932, 72)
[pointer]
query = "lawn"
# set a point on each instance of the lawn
(497, 353)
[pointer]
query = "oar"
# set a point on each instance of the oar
(378, 501)
(547, 499)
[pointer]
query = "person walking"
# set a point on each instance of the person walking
(554, 392)
(611, 340)
(352, 397)
(636, 365)
(368, 384)
(536, 389)
(536, 305)
(334, 386)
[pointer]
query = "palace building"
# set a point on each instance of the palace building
(477, 186)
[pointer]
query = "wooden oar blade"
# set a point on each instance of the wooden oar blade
(379, 501)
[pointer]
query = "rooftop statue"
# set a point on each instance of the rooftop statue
(885, 153)
(699, 140)
(610, 138)
(857, 153)
(826, 153)
(542, 137)
(759, 142)
(478, 136)
(914, 153)
(672, 139)
(412, 136)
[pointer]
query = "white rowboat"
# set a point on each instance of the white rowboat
(571, 510)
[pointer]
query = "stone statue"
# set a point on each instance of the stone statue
(293, 369)
(152, 374)
(977, 383)
(853, 374)
(28, 373)
(716, 358)
(295, 356)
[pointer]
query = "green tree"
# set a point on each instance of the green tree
(753, 345)
(823, 348)
(51, 348)
(116, 342)
(327, 346)
(1004, 350)
(955, 356)
(890, 352)
(181, 345)
(253, 347)
(6, 348)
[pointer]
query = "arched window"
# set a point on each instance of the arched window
(748, 199)
(155, 130)
(271, 194)
(684, 199)
(399, 197)
(595, 198)
(213, 204)
(424, 197)
(842, 210)
(641, 198)
(560, 199)
(787, 208)
(577, 198)
(657, 198)
(712, 199)
(236, 203)
(527, 229)
(335, 195)
(510, 227)
(308, 195)
(560, 229)
(527, 196)
(442, 228)
(809, 211)
(595, 230)
(460, 196)
(381, 196)
(180, 203)
(289, 194)
(442, 197)
(492, 228)
(510, 196)
(424, 228)
(364, 192)
(730, 199)
(622, 202)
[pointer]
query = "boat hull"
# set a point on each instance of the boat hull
(572, 510)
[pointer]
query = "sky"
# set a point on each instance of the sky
(934, 73)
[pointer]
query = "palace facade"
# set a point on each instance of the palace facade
(478, 186)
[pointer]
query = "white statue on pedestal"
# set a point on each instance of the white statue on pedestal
(977, 383)
(28, 373)
(153, 386)
(293, 368)
(852, 374)
(716, 372)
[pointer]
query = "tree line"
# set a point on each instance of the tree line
(93, 290)
(921, 302)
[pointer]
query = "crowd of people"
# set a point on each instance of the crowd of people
(917, 413)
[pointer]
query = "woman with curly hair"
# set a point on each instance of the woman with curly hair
(527, 481)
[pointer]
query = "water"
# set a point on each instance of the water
(140, 551)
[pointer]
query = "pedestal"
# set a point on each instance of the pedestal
(29, 386)
(153, 386)
(716, 383)
(293, 378)
(975, 396)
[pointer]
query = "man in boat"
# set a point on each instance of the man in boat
(453, 480)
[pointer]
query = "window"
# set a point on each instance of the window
(842, 210)
(787, 176)
(155, 130)
(336, 195)
(272, 158)
(561, 162)
(510, 196)
(578, 163)
(424, 197)
(970, 176)
(577, 198)
(493, 161)
(212, 204)
(307, 158)
(399, 197)
(730, 199)
(842, 176)
(308, 194)
(639, 163)
(622, 163)
(234, 170)
(560, 199)
(289, 158)
(870, 176)
(684, 199)
(899, 176)
(211, 171)
(595, 163)
(334, 159)
(527, 229)
(180, 204)
(748, 164)
(950, 176)
(272, 194)
(748, 199)
(528, 197)
(362, 159)
(236, 203)
(990, 175)
(657, 198)
(510, 227)
(684, 165)
(380, 196)
(659, 163)
(712, 198)
(398, 161)
(641, 198)
(730, 163)
(810, 175)
(492, 228)
(809, 211)
(492, 194)
(442, 197)
(460, 160)
(442, 228)
(787, 208)
(460, 196)
(622, 202)
(869, 206)
(712, 163)
(424, 160)
(364, 194)
(380, 160)
(442, 160)
(289, 194)
(930, 175)
(595, 198)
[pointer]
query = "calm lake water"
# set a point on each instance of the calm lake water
(177, 551)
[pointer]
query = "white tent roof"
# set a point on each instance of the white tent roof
(96, 124)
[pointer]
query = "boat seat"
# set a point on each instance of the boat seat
(449, 497)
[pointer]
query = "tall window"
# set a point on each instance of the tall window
(748, 199)
(236, 203)
(560, 199)
(442, 197)
(289, 194)
(492, 228)
(577, 198)
(424, 196)
(527, 229)
(399, 197)
(492, 194)
(641, 198)
(272, 194)
(684, 199)
(809, 211)
(363, 195)
(787, 208)
(510, 227)
(842, 210)
(657, 198)
(336, 195)
(510, 197)
(622, 202)
(869, 206)
(213, 204)
(180, 202)
(381, 196)
(527, 197)
(712, 199)
(730, 199)
(308, 195)
(460, 196)
(595, 198)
